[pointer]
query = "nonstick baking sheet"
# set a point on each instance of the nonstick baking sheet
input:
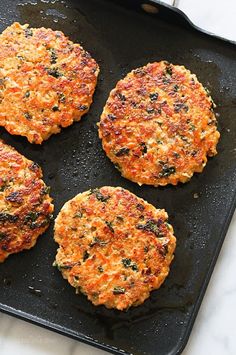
(121, 36)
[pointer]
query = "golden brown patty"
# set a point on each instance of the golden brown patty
(25, 205)
(158, 125)
(46, 81)
(114, 247)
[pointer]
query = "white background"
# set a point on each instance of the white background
(214, 330)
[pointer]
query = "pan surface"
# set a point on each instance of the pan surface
(122, 37)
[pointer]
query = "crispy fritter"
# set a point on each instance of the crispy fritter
(25, 205)
(114, 247)
(46, 81)
(158, 125)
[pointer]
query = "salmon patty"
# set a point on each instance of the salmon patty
(25, 205)
(158, 125)
(114, 247)
(46, 81)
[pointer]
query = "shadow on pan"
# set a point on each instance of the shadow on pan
(121, 36)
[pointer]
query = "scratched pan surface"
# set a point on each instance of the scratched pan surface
(122, 38)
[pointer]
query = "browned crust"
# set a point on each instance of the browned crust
(25, 205)
(158, 125)
(46, 81)
(114, 247)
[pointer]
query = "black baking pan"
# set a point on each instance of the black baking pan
(121, 36)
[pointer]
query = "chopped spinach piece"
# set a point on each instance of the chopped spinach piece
(109, 225)
(118, 290)
(154, 96)
(6, 217)
(122, 151)
(55, 108)
(78, 215)
(166, 171)
(45, 190)
(2, 236)
(34, 167)
(4, 185)
(100, 268)
(54, 72)
(82, 107)
(15, 197)
(143, 148)
(180, 106)
(86, 255)
(27, 94)
(28, 116)
(129, 263)
(111, 117)
(100, 196)
(176, 88)
(140, 207)
(121, 97)
(31, 216)
(150, 110)
(151, 226)
(169, 70)
(28, 32)
(61, 98)
(98, 241)
(53, 55)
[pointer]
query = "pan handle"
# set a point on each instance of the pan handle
(174, 15)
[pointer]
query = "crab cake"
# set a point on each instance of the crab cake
(46, 81)
(158, 125)
(25, 205)
(114, 247)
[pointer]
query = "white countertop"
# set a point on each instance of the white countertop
(214, 330)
